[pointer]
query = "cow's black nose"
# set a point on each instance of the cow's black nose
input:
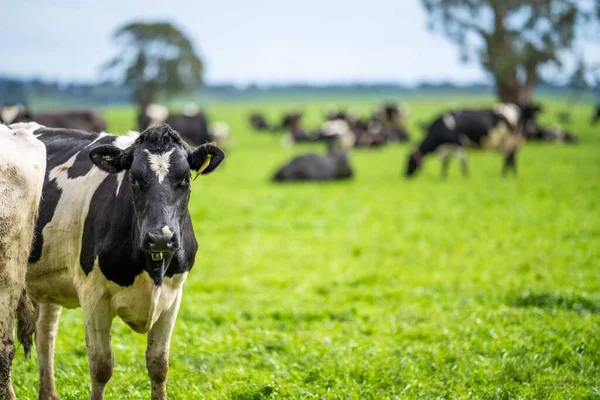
(159, 241)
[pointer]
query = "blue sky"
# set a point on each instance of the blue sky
(242, 41)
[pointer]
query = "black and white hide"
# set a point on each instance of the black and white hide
(114, 237)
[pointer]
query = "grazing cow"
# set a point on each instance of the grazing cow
(596, 115)
(191, 125)
(115, 237)
(496, 129)
(259, 122)
(22, 167)
(86, 120)
(334, 165)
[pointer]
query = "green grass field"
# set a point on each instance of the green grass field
(380, 287)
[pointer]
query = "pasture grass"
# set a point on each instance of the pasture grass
(377, 288)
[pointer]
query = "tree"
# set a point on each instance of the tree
(155, 58)
(513, 39)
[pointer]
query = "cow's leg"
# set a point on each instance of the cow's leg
(11, 286)
(461, 154)
(510, 163)
(445, 163)
(98, 320)
(9, 297)
(45, 339)
(157, 351)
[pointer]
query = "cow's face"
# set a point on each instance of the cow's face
(160, 167)
(414, 162)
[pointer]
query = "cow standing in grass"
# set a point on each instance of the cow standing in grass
(115, 237)
(456, 130)
(22, 167)
(86, 120)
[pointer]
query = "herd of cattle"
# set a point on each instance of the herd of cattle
(503, 128)
(99, 221)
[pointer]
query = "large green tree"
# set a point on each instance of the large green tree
(155, 58)
(513, 39)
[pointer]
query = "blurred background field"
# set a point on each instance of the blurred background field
(482, 287)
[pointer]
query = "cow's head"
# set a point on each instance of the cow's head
(160, 169)
(414, 162)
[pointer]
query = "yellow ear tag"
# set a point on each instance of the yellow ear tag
(204, 165)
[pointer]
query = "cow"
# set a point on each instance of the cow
(497, 129)
(334, 165)
(114, 237)
(86, 120)
(389, 119)
(22, 168)
(259, 122)
(191, 125)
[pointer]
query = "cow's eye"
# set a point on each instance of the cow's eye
(185, 181)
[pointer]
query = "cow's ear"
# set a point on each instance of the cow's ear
(111, 159)
(206, 158)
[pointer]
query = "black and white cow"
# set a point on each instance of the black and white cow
(496, 129)
(115, 237)
(390, 120)
(191, 125)
(22, 168)
(86, 120)
(335, 165)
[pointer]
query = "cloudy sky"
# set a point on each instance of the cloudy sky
(241, 41)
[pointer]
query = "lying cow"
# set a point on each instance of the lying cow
(334, 165)
(496, 129)
(115, 237)
(191, 125)
(85, 120)
(22, 167)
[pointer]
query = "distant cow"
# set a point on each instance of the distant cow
(22, 168)
(389, 118)
(366, 133)
(596, 115)
(86, 120)
(191, 125)
(335, 165)
(115, 237)
(291, 121)
(533, 131)
(258, 121)
(497, 129)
